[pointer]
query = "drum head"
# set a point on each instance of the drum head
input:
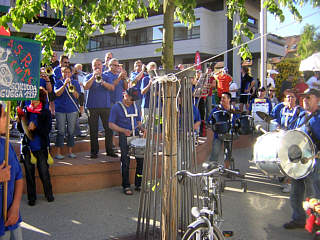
(295, 153)
(139, 142)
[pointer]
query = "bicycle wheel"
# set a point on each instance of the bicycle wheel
(200, 232)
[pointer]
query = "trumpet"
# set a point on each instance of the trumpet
(98, 79)
(71, 88)
(49, 70)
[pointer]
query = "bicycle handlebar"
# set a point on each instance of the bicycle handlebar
(219, 169)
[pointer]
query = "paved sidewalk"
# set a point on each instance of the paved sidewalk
(109, 214)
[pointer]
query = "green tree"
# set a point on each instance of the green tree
(84, 17)
(309, 42)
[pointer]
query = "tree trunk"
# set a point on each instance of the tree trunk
(168, 35)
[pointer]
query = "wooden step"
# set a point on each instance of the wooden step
(84, 173)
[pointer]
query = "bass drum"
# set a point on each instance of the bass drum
(289, 153)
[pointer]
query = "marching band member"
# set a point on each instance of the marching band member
(10, 229)
(225, 104)
(145, 91)
(126, 119)
(67, 111)
(308, 122)
(64, 62)
(118, 77)
(98, 105)
(107, 58)
(135, 79)
(35, 122)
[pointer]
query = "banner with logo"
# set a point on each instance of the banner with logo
(19, 68)
(197, 61)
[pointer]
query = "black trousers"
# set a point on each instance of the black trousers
(125, 164)
(94, 114)
(43, 170)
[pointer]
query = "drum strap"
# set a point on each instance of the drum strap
(130, 115)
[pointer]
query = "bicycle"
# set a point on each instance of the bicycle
(208, 219)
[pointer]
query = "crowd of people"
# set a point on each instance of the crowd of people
(121, 103)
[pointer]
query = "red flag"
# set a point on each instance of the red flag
(4, 32)
(197, 61)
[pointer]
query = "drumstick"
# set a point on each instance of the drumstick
(259, 128)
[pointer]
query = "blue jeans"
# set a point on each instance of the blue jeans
(62, 119)
(216, 149)
(15, 234)
(125, 163)
(297, 194)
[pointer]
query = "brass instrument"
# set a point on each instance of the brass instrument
(71, 88)
(98, 79)
(49, 70)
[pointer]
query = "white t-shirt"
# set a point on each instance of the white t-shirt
(270, 81)
(311, 81)
(233, 86)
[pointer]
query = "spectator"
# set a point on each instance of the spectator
(233, 90)
(272, 96)
(300, 87)
(271, 78)
(247, 84)
(224, 80)
(314, 81)
(10, 229)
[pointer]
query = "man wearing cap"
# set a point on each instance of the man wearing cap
(126, 120)
(308, 122)
(270, 79)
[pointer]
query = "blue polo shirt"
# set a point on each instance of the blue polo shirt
(133, 76)
(117, 94)
(16, 174)
(63, 103)
(311, 127)
(57, 75)
(275, 113)
(98, 96)
(145, 97)
(118, 117)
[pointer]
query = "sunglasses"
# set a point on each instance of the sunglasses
(290, 96)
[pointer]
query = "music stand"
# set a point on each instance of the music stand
(227, 150)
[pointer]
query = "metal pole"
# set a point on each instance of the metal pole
(6, 161)
(263, 44)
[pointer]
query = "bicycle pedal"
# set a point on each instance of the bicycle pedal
(227, 233)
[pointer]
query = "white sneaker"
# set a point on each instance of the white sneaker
(287, 188)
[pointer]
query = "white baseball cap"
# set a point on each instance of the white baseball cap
(272, 72)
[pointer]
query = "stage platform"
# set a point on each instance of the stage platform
(84, 173)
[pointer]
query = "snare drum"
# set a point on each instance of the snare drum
(284, 153)
(221, 122)
(137, 147)
(245, 125)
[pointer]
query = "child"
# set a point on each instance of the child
(10, 229)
